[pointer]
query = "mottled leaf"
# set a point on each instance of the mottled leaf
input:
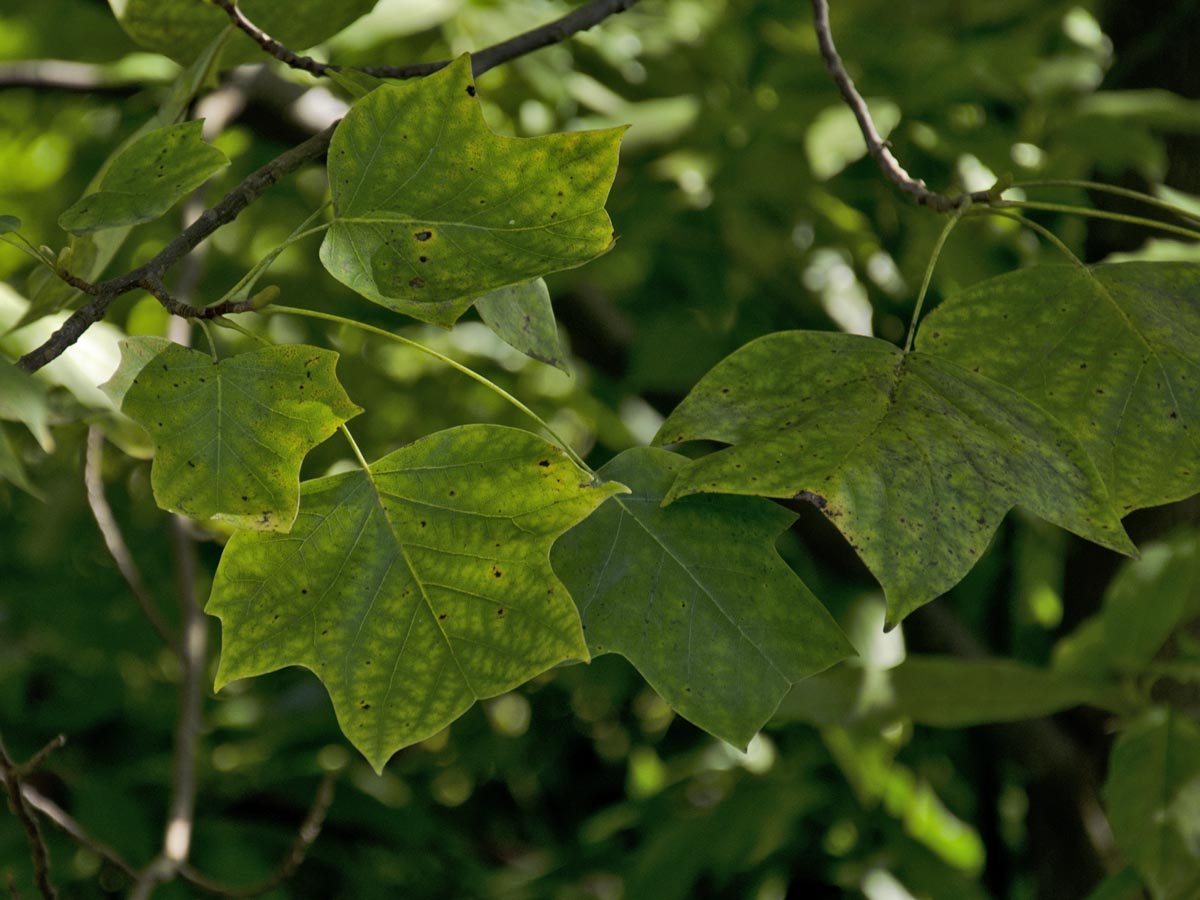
(1153, 800)
(914, 459)
(229, 436)
(433, 209)
(521, 315)
(181, 28)
(146, 179)
(696, 597)
(1110, 351)
(415, 588)
(23, 399)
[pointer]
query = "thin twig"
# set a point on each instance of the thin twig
(113, 539)
(306, 836)
(34, 762)
(879, 148)
(555, 32)
(33, 833)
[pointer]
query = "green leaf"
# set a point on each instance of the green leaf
(696, 597)
(229, 436)
(944, 692)
(9, 224)
(1146, 601)
(1110, 351)
(23, 399)
(521, 315)
(914, 459)
(12, 469)
(416, 587)
(1123, 885)
(1153, 800)
(181, 28)
(146, 179)
(433, 209)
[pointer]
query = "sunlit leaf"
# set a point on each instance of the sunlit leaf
(229, 436)
(415, 588)
(522, 316)
(146, 179)
(433, 209)
(1153, 800)
(914, 459)
(1110, 351)
(695, 596)
(22, 399)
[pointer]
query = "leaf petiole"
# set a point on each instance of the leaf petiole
(466, 370)
(1148, 199)
(1177, 230)
(362, 460)
(933, 258)
(245, 284)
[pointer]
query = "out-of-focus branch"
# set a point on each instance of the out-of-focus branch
(113, 539)
(879, 149)
(63, 75)
(12, 775)
(555, 32)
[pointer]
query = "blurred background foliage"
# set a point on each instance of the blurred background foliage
(744, 205)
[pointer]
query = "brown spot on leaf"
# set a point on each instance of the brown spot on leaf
(423, 235)
(815, 499)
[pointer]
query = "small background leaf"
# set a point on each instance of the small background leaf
(9, 224)
(523, 317)
(414, 589)
(229, 436)
(914, 459)
(433, 209)
(695, 596)
(23, 399)
(146, 179)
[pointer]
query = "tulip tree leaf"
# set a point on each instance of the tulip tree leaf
(696, 597)
(415, 588)
(1153, 801)
(433, 209)
(522, 316)
(146, 179)
(914, 459)
(12, 469)
(9, 224)
(229, 436)
(180, 29)
(1109, 350)
(23, 399)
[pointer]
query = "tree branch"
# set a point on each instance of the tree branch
(880, 149)
(64, 75)
(555, 32)
(12, 775)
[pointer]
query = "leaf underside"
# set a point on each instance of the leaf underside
(414, 589)
(522, 316)
(229, 436)
(696, 597)
(433, 209)
(914, 459)
(1109, 351)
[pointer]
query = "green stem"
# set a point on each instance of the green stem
(933, 258)
(246, 283)
(354, 446)
(1099, 214)
(226, 322)
(469, 372)
(22, 243)
(1148, 199)
(1034, 226)
(208, 335)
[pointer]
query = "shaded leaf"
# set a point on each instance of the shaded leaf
(23, 399)
(1110, 351)
(696, 597)
(522, 316)
(12, 469)
(945, 692)
(146, 179)
(415, 588)
(181, 28)
(9, 224)
(433, 209)
(914, 459)
(1153, 801)
(229, 436)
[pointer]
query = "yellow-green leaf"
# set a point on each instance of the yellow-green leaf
(416, 587)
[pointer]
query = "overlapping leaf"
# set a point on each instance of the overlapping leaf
(415, 588)
(1153, 801)
(1110, 351)
(695, 596)
(229, 436)
(433, 209)
(522, 316)
(146, 179)
(22, 399)
(181, 28)
(913, 458)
